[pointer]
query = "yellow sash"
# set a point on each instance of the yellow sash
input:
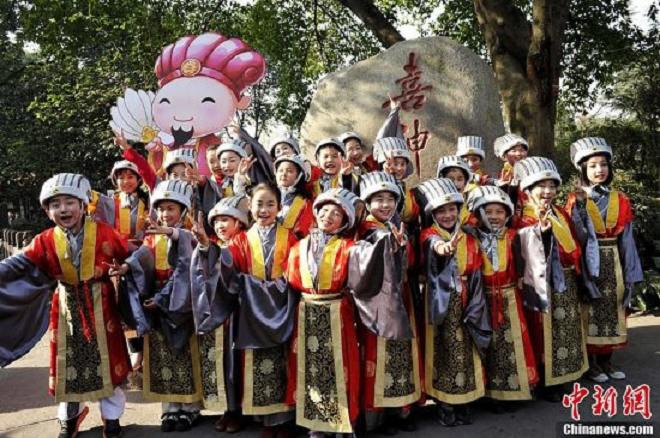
(461, 248)
(325, 268)
(294, 211)
(612, 215)
(125, 219)
(560, 228)
(160, 248)
(501, 256)
(407, 214)
(258, 262)
(87, 258)
(464, 214)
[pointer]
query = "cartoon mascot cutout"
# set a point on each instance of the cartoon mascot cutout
(202, 80)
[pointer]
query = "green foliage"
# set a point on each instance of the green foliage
(55, 102)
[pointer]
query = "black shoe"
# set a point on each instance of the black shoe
(463, 416)
(168, 422)
(407, 424)
(69, 428)
(111, 429)
(446, 415)
(387, 429)
(186, 421)
(553, 394)
(497, 407)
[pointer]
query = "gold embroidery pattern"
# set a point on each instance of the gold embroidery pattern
(83, 357)
(212, 367)
(606, 320)
(269, 376)
(321, 402)
(171, 376)
(505, 360)
(565, 344)
(453, 361)
(399, 379)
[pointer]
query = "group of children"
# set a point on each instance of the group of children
(333, 297)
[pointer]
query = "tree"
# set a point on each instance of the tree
(529, 44)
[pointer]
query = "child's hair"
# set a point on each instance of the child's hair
(268, 187)
(583, 170)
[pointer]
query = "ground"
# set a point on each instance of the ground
(26, 410)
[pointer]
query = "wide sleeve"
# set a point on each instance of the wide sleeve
(136, 287)
(391, 126)
(476, 316)
(632, 266)
(262, 169)
(586, 236)
(440, 281)
(104, 209)
(24, 306)
(144, 168)
(174, 298)
(211, 301)
(375, 279)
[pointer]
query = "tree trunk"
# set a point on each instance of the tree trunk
(526, 59)
(371, 16)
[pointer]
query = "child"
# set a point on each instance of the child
(355, 151)
(160, 275)
(88, 357)
(126, 210)
(510, 366)
(337, 170)
(220, 363)
(614, 264)
(175, 163)
(284, 145)
(323, 267)
(388, 406)
(292, 177)
(457, 170)
(255, 263)
(550, 253)
(458, 330)
(471, 149)
(394, 158)
(510, 148)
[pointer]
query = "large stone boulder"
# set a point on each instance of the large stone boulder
(442, 85)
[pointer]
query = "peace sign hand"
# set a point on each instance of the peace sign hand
(394, 104)
(120, 140)
(193, 176)
(346, 166)
(545, 222)
(245, 165)
(399, 234)
(198, 230)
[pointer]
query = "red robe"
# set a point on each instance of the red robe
(496, 281)
(349, 345)
(109, 246)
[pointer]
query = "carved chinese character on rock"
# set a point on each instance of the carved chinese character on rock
(412, 95)
(412, 98)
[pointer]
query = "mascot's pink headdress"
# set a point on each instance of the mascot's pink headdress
(228, 60)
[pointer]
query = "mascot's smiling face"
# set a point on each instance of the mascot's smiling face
(194, 107)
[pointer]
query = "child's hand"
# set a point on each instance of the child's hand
(245, 165)
(120, 140)
(388, 166)
(393, 103)
(346, 167)
(150, 304)
(544, 222)
(157, 229)
(400, 234)
(115, 269)
(442, 248)
(198, 230)
(580, 194)
(193, 176)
